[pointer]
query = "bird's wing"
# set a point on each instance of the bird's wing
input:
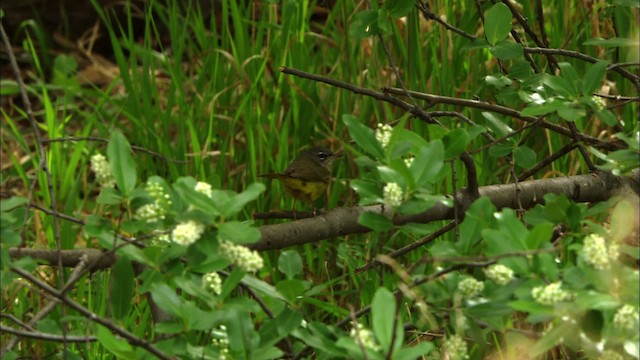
(306, 169)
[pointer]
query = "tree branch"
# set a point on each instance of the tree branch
(342, 221)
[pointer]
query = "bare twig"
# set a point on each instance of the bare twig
(635, 79)
(131, 338)
(546, 161)
(43, 161)
(98, 139)
(438, 99)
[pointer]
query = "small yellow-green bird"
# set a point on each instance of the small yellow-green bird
(308, 176)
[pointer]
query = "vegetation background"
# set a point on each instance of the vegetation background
(197, 88)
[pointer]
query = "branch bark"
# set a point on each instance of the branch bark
(343, 221)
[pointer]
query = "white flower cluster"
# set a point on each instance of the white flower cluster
(203, 187)
(456, 348)
(150, 213)
(365, 335)
(470, 287)
(600, 103)
(383, 134)
(220, 340)
(187, 233)
(247, 260)
(499, 274)
(409, 161)
(597, 253)
(212, 282)
(102, 169)
(550, 294)
(626, 318)
(392, 194)
(157, 210)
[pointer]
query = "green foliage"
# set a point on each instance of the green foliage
(204, 97)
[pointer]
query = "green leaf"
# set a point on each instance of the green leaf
(572, 112)
(389, 175)
(497, 23)
(531, 307)
(427, 163)
(499, 81)
(238, 232)
(455, 142)
(591, 299)
(398, 8)
(478, 217)
(497, 124)
(607, 117)
(385, 22)
(539, 235)
(415, 352)
(507, 50)
(184, 187)
(122, 164)
(64, 69)
(500, 150)
(277, 328)
(12, 203)
(263, 287)
(365, 24)
(9, 87)
(363, 136)
(166, 298)
(109, 196)
(240, 331)
(292, 289)
(290, 263)
(368, 192)
(560, 85)
(477, 43)
(121, 289)
(542, 109)
(593, 77)
(383, 311)
(118, 347)
(524, 156)
(569, 74)
(239, 201)
(375, 222)
(169, 327)
(230, 283)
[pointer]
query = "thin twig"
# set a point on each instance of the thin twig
(548, 160)
(43, 161)
(635, 79)
(130, 337)
(438, 99)
(46, 336)
(98, 139)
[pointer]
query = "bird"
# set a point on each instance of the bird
(308, 175)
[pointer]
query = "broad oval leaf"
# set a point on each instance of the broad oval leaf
(375, 222)
(122, 164)
(363, 136)
(497, 23)
(383, 311)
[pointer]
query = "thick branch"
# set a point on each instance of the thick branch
(342, 221)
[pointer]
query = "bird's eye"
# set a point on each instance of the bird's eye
(322, 155)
